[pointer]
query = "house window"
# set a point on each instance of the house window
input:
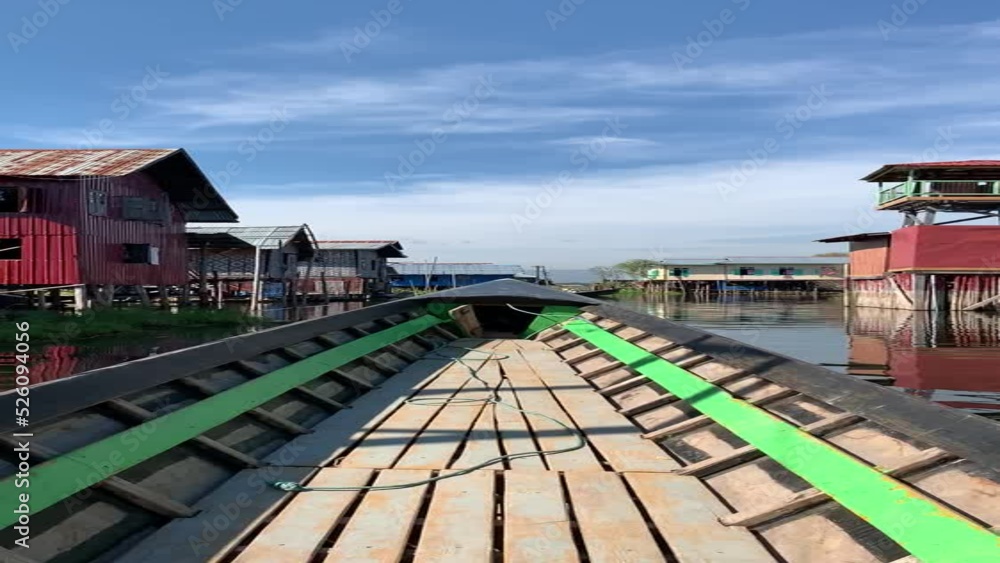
(142, 209)
(373, 265)
(10, 249)
(138, 253)
(13, 200)
(786, 271)
(679, 272)
(747, 271)
(97, 203)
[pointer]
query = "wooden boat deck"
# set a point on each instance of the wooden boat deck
(616, 499)
(693, 449)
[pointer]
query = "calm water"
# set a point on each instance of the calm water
(953, 359)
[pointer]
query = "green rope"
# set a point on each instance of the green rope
(493, 399)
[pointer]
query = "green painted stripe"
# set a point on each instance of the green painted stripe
(553, 315)
(57, 479)
(927, 529)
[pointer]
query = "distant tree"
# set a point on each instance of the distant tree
(637, 267)
(831, 254)
(602, 272)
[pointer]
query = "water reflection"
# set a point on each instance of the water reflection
(63, 360)
(949, 358)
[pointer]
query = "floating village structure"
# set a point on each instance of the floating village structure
(446, 275)
(93, 221)
(929, 264)
(252, 262)
(749, 273)
(350, 268)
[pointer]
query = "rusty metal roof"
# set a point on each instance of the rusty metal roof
(84, 162)
(272, 237)
(355, 244)
(384, 248)
(952, 170)
(174, 170)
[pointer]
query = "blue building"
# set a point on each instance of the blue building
(441, 275)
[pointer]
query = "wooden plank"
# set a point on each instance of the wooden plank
(459, 524)
(597, 351)
(438, 443)
(465, 318)
(812, 497)
(536, 525)
(482, 444)
(298, 531)
(612, 527)
(686, 513)
(136, 494)
(514, 432)
(260, 414)
(221, 450)
(534, 396)
(388, 440)
(382, 523)
(746, 453)
(228, 514)
(702, 420)
(616, 438)
(334, 435)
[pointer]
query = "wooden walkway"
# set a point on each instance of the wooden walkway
(617, 499)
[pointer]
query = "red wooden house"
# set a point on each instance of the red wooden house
(930, 263)
(100, 217)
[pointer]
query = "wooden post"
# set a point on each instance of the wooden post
(164, 296)
(55, 298)
(305, 282)
(185, 298)
(80, 298)
(323, 289)
(143, 296)
(219, 292)
(919, 295)
(202, 277)
(255, 286)
(40, 298)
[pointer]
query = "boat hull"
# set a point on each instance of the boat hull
(227, 451)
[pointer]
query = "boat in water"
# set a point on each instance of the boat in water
(498, 422)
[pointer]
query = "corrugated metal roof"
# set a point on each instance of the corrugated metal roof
(71, 162)
(255, 236)
(354, 244)
(752, 260)
(457, 268)
(174, 170)
(858, 236)
(898, 172)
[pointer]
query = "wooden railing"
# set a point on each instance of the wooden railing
(959, 189)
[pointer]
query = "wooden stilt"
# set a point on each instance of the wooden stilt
(80, 302)
(143, 295)
(164, 297)
(326, 291)
(219, 291)
(255, 286)
(202, 278)
(185, 297)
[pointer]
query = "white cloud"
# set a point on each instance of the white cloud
(608, 216)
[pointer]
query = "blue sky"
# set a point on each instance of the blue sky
(570, 134)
